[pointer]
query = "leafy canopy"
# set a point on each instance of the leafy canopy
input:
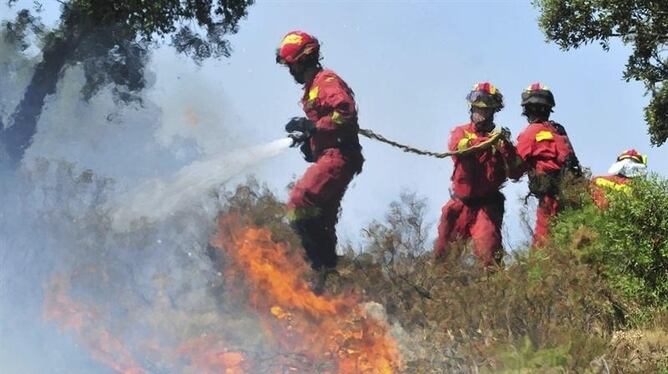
(643, 25)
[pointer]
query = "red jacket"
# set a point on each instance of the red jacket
(543, 148)
(599, 186)
(330, 104)
(480, 174)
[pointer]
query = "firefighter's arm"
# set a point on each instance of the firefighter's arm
(336, 105)
(515, 166)
(462, 140)
(525, 145)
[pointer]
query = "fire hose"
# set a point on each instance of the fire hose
(487, 143)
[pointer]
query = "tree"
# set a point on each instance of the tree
(643, 25)
(111, 40)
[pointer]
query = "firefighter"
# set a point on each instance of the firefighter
(475, 210)
(630, 164)
(328, 139)
(548, 155)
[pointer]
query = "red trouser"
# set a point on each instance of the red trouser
(314, 203)
(479, 220)
(548, 207)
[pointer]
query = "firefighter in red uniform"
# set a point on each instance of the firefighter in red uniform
(328, 138)
(548, 154)
(476, 207)
(630, 164)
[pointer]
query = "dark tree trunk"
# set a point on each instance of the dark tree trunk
(18, 136)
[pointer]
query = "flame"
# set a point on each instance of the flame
(208, 356)
(83, 320)
(303, 332)
(333, 332)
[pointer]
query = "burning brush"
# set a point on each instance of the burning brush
(301, 332)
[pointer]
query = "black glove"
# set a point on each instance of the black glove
(505, 133)
(298, 138)
(300, 124)
(306, 152)
(301, 129)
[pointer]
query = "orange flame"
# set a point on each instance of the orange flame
(306, 332)
(332, 331)
(208, 356)
(105, 348)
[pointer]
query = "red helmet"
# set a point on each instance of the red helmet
(633, 155)
(537, 94)
(295, 46)
(485, 95)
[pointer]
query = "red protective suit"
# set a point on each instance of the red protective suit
(600, 185)
(476, 208)
(315, 199)
(545, 149)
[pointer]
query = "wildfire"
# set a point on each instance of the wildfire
(303, 332)
(332, 332)
(83, 320)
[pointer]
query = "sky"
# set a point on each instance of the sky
(410, 64)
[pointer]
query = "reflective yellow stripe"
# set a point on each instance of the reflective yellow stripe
(544, 135)
(313, 93)
(479, 104)
(464, 142)
(291, 39)
(303, 213)
(602, 182)
(336, 118)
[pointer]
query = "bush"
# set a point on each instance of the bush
(626, 243)
(556, 310)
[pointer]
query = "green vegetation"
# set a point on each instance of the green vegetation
(111, 41)
(642, 25)
(593, 301)
(627, 243)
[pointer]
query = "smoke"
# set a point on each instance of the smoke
(75, 294)
(156, 198)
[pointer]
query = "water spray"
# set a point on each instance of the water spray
(161, 197)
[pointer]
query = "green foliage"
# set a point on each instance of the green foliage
(554, 310)
(545, 310)
(184, 20)
(641, 24)
(627, 243)
(111, 38)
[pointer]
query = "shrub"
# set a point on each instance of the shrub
(627, 242)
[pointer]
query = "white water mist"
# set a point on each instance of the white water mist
(159, 198)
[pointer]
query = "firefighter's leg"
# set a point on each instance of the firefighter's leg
(327, 235)
(313, 208)
(548, 207)
(307, 230)
(486, 233)
(451, 227)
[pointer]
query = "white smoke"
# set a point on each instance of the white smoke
(153, 286)
(157, 199)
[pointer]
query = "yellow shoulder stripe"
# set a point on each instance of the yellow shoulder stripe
(464, 142)
(544, 135)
